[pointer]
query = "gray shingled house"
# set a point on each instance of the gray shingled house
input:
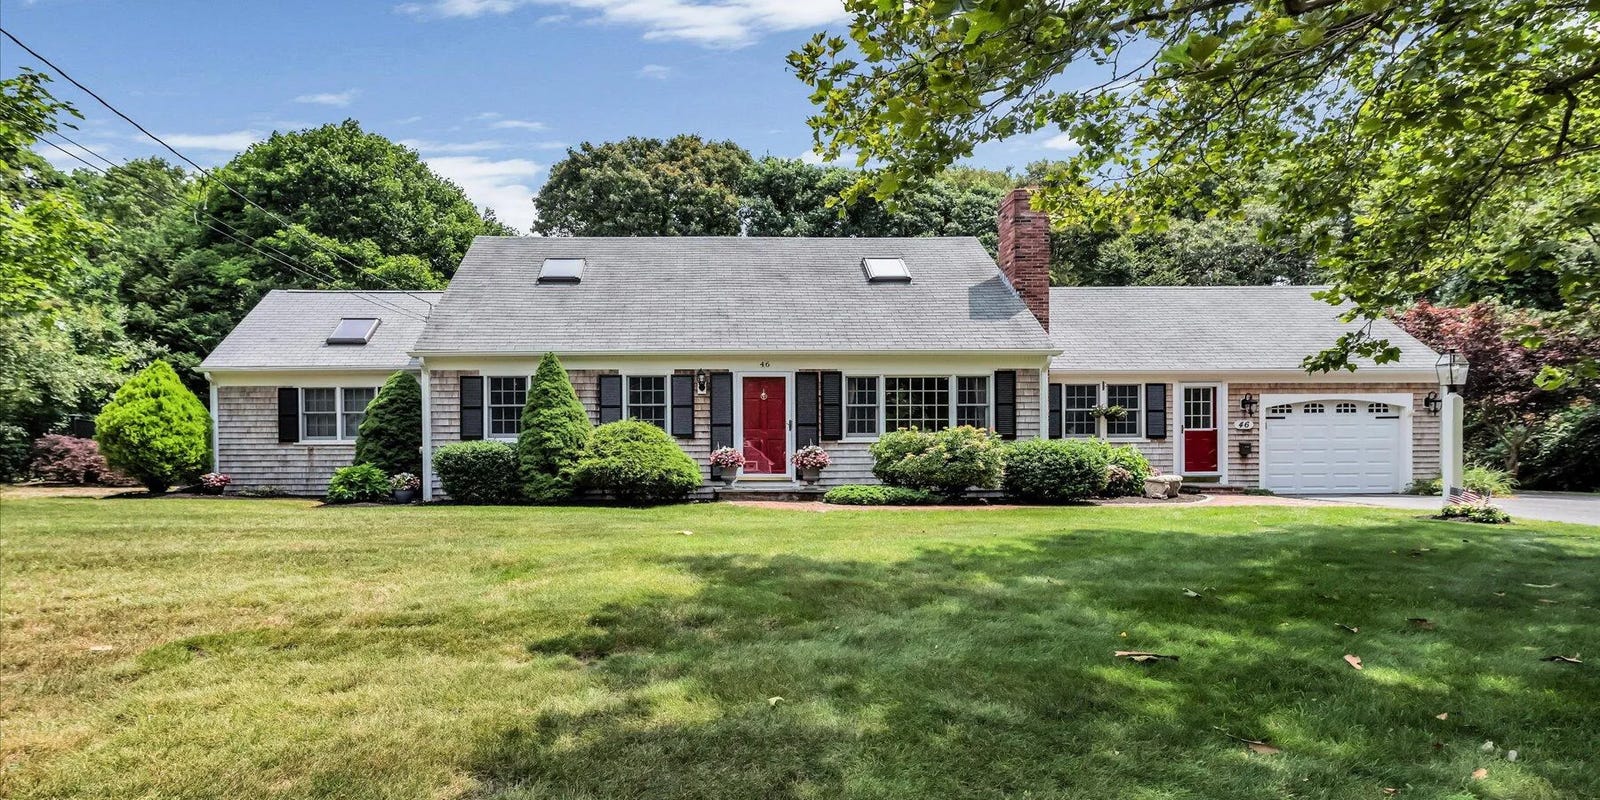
(772, 344)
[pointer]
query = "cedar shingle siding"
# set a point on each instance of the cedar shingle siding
(250, 453)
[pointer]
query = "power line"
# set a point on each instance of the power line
(130, 120)
(276, 255)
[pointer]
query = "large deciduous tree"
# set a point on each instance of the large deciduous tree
(682, 186)
(1424, 147)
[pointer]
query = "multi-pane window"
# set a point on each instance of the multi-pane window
(1199, 412)
(1314, 408)
(319, 413)
(922, 403)
(647, 399)
(1344, 408)
(354, 409)
(972, 401)
(506, 398)
(1077, 409)
(1281, 410)
(861, 407)
(1126, 396)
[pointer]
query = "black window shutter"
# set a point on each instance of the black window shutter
(721, 414)
(683, 406)
(807, 410)
(1055, 411)
(1005, 403)
(471, 407)
(832, 422)
(1155, 411)
(610, 398)
(288, 414)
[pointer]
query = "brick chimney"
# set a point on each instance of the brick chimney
(1025, 252)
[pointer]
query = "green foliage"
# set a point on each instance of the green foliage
(1567, 452)
(1135, 468)
(1425, 486)
(14, 448)
(1487, 514)
(390, 436)
(683, 186)
(58, 458)
(1461, 165)
(1487, 480)
(477, 472)
(555, 429)
(636, 462)
(358, 483)
(155, 430)
(947, 462)
(859, 494)
(1056, 470)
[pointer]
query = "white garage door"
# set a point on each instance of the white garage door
(1332, 447)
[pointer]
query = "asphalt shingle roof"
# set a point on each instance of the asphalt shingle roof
(678, 294)
(289, 329)
(1160, 328)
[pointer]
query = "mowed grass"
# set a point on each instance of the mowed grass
(281, 649)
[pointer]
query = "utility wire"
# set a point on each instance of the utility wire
(276, 255)
(158, 140)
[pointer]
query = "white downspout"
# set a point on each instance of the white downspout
(427, 433)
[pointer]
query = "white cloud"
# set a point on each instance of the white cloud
(500, 184)
(1062, 141)
(519, 124)
(339, 99)
(718, 23)
(429, 146)
(658, 72)
(235, 140)
(409, 120)
(813, 158)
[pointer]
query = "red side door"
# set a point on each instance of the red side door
(766, 426)
(1199, 429)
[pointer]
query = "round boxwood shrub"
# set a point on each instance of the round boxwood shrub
(859, 494)
(1135, 469)
(390, 437)
(555, 429)
(1055, 470)
(155, 430)
(358, 483)
(477, 472)
(636, 462)
(946, 462)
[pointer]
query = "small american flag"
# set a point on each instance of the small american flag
(1466, 497)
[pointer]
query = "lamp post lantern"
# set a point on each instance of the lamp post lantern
(1452, 371)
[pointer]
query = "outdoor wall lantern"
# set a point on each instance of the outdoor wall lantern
(702, 381)
(1248, 404)
(1432, 402)
(1452, 370)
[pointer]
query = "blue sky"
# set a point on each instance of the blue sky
(491, 92)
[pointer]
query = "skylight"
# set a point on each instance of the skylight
(561, 270)
(886, 270)
(354, 330)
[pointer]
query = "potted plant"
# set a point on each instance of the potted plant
(810, 460)
(729, 461)
(214, 483)
(1110, 412)
(405, 486)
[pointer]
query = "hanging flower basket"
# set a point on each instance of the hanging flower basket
(1110, 412)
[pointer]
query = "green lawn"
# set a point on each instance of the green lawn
(280, 649)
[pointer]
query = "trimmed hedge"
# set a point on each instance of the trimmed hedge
(947, 462)
(358, 483)
(859, 494)
(1055, 470)
(555, 429)
(390, 437)
(155, 430)
(482, 471)
(636, 462)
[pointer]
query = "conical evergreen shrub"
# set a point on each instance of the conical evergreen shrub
(555, 429)
(155, 430)
(390, 436)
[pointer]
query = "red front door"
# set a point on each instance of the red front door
(1199, 429)
(766, 426)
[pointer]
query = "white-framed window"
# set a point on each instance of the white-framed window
(1077, 409)
(916, 402)
(507, 395)
(1079, 400)
(861, 406)
(1129, 396)
(972, 400)
(646, 399)
(333, 413)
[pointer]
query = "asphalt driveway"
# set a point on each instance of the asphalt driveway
(1552, 506)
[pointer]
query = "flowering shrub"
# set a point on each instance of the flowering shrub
(1481, 512)
(215, 482)
(405, 481)
(811, 457)
(727, 458)
(68, 459)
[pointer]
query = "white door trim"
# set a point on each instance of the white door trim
(788, 422)
(1219, 400)
(1402, 400)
